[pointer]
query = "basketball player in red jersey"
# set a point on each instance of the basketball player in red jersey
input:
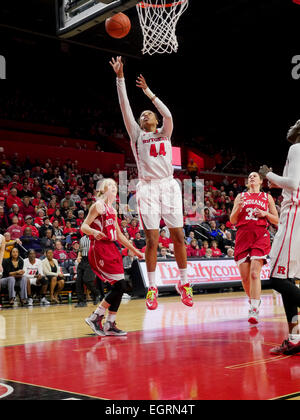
(158, 193)
(252, 212)
(105, 259)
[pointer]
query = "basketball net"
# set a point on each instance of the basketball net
(158, 20)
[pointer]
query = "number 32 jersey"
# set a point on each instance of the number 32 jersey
(152, 150)
(252, 202)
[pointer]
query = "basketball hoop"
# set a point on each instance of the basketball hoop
(158, 20)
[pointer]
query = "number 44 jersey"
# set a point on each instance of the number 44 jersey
(253, 202)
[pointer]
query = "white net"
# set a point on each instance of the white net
(158, 20)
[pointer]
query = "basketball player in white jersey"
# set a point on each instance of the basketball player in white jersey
(285, 253)
(158, 193)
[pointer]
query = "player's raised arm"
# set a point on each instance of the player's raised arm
(292, 181)
(167, 128)
(131, 125)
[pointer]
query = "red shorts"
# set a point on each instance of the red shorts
(252, 244)
(106, 261)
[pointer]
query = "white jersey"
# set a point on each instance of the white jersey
(31, 270)
(285, 256)
(152, 151)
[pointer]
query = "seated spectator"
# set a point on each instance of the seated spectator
(57, 216)
(71, 218)
(46, 225)
(216, 252)
(13, 198)
(193, 249)
(27, 208)
(34, 272)
(52, 205)
(54, 275)
(58, 231)
(15, 211)
(15, 229)
(13, 267)
(25, 192)
(214, 233)
(71, 233)
(230, 253)
(163, 240)
(38, 220)
(80, 218)
(208, 253)
(205, 247)
(10, 244)
(138, 241)
(228, 242)
(47, 242)
(75, 196)
(30, 242)
(164, 253)
(73, 254)
(4, 222)
(133, 228)
(59, 253)
(190, 237)
(28, 224)
(70, 203)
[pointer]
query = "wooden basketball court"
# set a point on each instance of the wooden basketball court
(174, 353)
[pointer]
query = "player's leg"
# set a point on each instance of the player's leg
(183, 287)
(171, 198)
(244, 269)
(152, 238)
(255, 289)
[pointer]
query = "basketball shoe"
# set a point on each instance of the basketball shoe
(186, 293)
(253, 316)
(151, 298)
(94, 321)
(287, 348)
(110, 328)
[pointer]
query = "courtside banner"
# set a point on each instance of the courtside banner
(200, 271)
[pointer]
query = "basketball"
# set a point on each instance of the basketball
(118, 26)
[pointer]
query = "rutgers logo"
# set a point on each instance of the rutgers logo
(281, 270)
(5, 390)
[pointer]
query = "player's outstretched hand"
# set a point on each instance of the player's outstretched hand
(141, 82)
(118, 66)
(263, 170)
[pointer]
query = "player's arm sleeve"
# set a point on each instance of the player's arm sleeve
(131, 125)
(292, 181)
(167, 117)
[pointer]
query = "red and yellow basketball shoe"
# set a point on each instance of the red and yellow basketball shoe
(151, 298)
(186, 293)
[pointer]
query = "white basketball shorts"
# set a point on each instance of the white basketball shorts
(285, 253)
(159, 199)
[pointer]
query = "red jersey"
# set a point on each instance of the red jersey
(106, 223)
(253, 201)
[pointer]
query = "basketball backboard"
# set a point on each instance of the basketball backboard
(76, 16)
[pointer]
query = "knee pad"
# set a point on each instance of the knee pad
(114, 296)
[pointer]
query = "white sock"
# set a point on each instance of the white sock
(111, 317)
(255, 303)
(151, 277)
(100, 310)
(183, 276)
(294, 338)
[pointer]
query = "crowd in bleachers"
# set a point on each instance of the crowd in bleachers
(42, 206)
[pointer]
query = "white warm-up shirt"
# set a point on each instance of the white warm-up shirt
(290, 181)
(31, 270)
(152, 151)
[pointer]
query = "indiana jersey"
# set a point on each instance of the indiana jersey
(252, 202)
(152, 150)
(105, 222)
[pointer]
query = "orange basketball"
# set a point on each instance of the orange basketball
(118, 25)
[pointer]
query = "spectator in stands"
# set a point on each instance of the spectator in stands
(164, 241)
(80, 218)
(58, 216)
(47, 241)
(228, 242)
(46, 225)
(138, 241)
(33, 268)
(60, 254)
(215, 233)
(10, 244)
(15, 211)
(13, 267)
(52, 205)
(190, 237)
(71, 204)
(15, 229)
(208, 253)
(25, 192)
(75, 196)
(229, 253)
(30, 242)
(27, 208)
(54, 275)
(71, 218)
(216, 252)
(73, 253)
(28, 224)
(133, 228)
(13, 199)
(38, 220)
(4, 222)
(164, 253)
(205, 246)
(58, 232)
(193, 249)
